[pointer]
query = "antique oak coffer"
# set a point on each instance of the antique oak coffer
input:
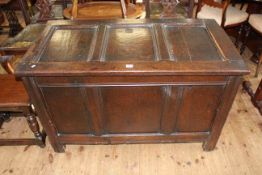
(132, 81)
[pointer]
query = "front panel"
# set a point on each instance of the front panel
(67, 108)
(132, 109)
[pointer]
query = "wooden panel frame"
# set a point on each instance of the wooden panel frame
(231, 64)
(58, 140)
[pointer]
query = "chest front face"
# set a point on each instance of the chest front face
(122, 82)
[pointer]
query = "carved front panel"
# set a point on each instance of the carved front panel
(67, 108)
(132, 109)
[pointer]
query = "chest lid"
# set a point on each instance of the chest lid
(168, 47)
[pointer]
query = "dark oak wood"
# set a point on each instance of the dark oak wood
(132, 81)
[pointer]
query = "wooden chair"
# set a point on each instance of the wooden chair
(103, 10)
(223, 13)
(255, 22)
(240, 4)
(14, 99)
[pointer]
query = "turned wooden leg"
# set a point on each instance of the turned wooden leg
(244, 44)
(34, 126)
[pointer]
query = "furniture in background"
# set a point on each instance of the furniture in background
(169, 8)
(132, 81)
(255, 22)
(19, 44)
(224, 14)
(254, 6)
(89, 10)
(104, 10)
(164, 9)
(45, 10)
(9, 7)
(256, 98)
(14, 99)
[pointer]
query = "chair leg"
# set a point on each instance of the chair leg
(244, 44)
(34, 126)
(239, 34)
(258, 65)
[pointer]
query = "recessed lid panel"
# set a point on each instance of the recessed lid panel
(190, 43)
(171, 47)
(129, 43)
(69, 43)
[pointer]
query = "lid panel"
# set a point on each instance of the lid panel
(190, 43)
(129, 43)
(69, 44)
(132, 47)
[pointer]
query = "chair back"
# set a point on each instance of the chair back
(223, 4)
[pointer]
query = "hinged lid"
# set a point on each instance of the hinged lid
(159, 47)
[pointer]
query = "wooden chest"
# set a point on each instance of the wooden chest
(137, 81)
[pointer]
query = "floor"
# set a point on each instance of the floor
(238, 151)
